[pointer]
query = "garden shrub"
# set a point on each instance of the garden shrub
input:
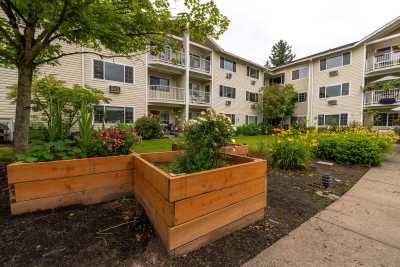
(396, 130)
(203, 139)
(149, 128)
(248, 130)
(289, 153)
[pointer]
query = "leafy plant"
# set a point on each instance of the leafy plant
(248, 130)
(396, 130)
(85, 128)
(203, 139)
(149, 127)
(289, 153)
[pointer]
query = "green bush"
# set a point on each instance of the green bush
(289, 153)
(203, 139)
(149, 128)
(396, 130)
(248, 130)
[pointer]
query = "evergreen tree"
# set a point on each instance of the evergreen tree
(281, 53)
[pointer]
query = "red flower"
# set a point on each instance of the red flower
(105, 135)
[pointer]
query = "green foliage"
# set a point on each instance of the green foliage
(48, 151)
(249, 130)
(204, 139)
(277, 103)
(85, 128)
(38, 133)
(387, 85)
(60, 105)
(289, 154)
(281, 54)
(396, 130)
(149, 127)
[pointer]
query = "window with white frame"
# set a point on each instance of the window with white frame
(386, 119)
(227, 64)
(251, 119)
(109, 71)
(164, 117)
(333, 119)
(253, 73)
(232, 118)
(226, 91)
(113, 114)
(334, 90)
(335, 62)
(252, 97)
(300, 73)
(301, 97)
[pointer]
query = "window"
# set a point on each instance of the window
(300, 73)
(393, 119)
(112, 72)
(226, 91)
(251, 119)
(164, 117)
(227, 64)
(334, 90)
(298, 120)
(386, 119)
(253, 73)
(333, 120)
(252, 97)
(232, 118)
(111, 114)
(193, 115)
(278, 79)
(301, 97)
(335, 62)
(161, 83)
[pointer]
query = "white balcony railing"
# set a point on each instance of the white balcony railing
(382, 97)
(168, 56)
(383, 61)
(200, 64)
(199, 97)
(162, 93)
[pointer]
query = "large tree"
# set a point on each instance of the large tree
(281, 53)
(277, 103)
(31, 33)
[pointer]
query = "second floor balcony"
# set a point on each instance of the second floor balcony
(382, 61)
(200, 97)
(166, 94)
(382, 97)
(200, 64)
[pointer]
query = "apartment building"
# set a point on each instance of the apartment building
(330, 84)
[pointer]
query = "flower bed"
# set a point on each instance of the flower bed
(49, 185)
(191, 210)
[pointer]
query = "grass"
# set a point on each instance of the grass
(6, 153)
(159, 145)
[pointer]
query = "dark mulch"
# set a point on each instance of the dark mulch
(78, 236)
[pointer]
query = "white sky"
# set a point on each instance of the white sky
(310, 26)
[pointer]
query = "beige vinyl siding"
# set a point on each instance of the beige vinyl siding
(8, 77)
(239, 106)
(350, 104)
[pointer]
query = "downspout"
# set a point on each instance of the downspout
(310, 93)
(363, 83)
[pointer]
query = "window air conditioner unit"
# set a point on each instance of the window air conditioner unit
(333, 73)
(113, 89)
(332, 102)
(228, 103)
(229, 75)
(253, 82)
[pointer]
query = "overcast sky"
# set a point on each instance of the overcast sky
(310, 26)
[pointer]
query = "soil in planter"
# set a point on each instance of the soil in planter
(70, 236)
(172, 167)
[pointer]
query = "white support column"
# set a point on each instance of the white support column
(310, 94)
(363, 83)
(186, 41)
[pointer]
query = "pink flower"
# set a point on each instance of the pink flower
(105, 135)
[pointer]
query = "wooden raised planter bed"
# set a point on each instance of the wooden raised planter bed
(191, 210)
(53, 184)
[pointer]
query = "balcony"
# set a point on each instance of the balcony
(200, 64)
(168, 56)
(200, 97)
(382, 97)
(166, 94)
(383, 61)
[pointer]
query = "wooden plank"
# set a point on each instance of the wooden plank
(191, 208)
(94, 196)
(190, 185)
(189, 231)
(161, 156)
(155, 201)
(25, 172)
(157, 178)
(219, 233)
(54, 187)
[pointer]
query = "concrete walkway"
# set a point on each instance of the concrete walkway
(362, 228)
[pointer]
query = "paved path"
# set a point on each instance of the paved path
(362, 228)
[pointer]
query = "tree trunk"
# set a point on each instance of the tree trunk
(23, 110)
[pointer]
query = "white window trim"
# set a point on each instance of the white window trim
(233, 122)
(333, 97)
(256, 118)
(336, 68)
(327, 114)
(305, 92)
(118, 106)
(233, 63)
(387, 120)
(257, 70)
(251, 93)
(305, 77)
(227, 97)
(104, 72)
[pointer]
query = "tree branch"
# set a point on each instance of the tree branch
(4, 4)
(8, 37)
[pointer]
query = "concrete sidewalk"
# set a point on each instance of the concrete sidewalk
(362, 228)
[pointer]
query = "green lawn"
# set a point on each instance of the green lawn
(159, 145)
(6, 153)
